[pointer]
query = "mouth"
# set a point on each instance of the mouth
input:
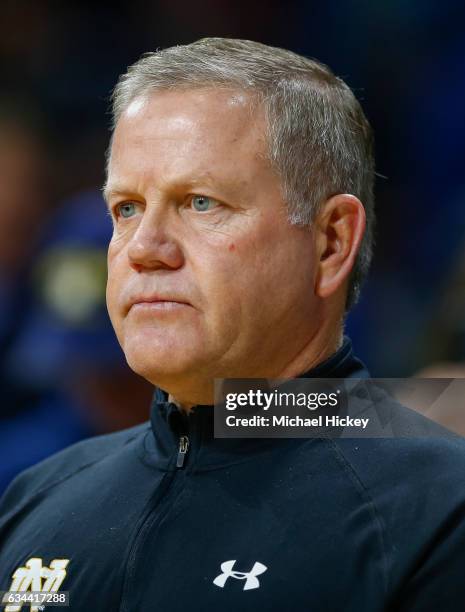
(156, 303)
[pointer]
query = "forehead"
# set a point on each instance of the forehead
(176, 132)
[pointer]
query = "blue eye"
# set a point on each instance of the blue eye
(126, 210)
(203, 203)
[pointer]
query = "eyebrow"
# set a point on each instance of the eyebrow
(108, 192)
(105, 192)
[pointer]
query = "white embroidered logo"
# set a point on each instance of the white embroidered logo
(251, 580)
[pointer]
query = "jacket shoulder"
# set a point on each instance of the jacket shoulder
(65, 463)
(413, 449)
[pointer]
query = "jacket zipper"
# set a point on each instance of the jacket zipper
(147, 523)
(182, 452)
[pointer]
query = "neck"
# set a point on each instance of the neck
(324, 343)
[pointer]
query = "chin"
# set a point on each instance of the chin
(159, 362)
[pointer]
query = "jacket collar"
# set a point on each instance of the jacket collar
(205, 451)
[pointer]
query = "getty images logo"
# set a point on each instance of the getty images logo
(251, 580)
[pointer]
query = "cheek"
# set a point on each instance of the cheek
(114, 280)
(234, 278)
(275, 265)
(219, 273)
(111, 298)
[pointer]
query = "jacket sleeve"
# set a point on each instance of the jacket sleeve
(18, 491)
(438, 582)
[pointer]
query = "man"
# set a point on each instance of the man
(240, 188)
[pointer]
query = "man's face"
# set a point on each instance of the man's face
(200, 223)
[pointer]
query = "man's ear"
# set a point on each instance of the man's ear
(339, 228)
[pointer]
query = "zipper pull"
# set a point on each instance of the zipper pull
(182, 452)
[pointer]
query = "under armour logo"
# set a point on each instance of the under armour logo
(251, 580)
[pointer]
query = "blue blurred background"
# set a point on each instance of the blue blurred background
(62, 375)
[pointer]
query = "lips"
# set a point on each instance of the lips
(156, 299)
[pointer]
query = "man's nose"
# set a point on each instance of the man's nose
(153, 245)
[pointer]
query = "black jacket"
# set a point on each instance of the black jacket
(243, 524)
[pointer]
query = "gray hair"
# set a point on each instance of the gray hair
(319, 140)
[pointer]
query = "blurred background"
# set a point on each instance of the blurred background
(62, 374)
